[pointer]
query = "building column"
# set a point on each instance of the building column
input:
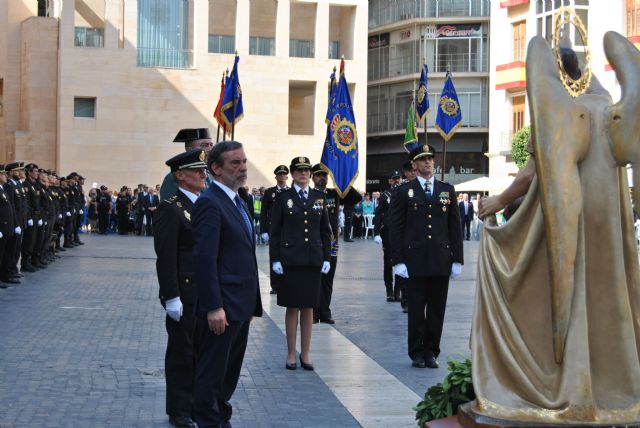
(322, 31)
(282, 28)
(243, 10)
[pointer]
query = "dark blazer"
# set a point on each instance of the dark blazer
(381, 214)
(425, 234)
(15, 198)
(226, 270)
(265, 211)
(469, 216)
(173, 243)
(300, 234)
(33, 191)
(7, 215)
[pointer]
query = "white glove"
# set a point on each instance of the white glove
(174, 308)
(265, 237)
(30, 222)
(401, 270)
(456, 269)
(80, 212)
(17, 230)
(59, 215)
(326, 267)
(277, 268)
(1, 235)
(68, 214)
(46, 223)
(40, 222)
(377, 239)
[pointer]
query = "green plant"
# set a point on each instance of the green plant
(519, 147)
(443, 399)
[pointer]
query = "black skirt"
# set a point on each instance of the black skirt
(300, 287)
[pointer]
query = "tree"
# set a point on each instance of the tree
(519, 146)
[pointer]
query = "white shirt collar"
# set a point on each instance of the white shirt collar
(423, 180)
(306, 189)
(192, 196)
(230, 193)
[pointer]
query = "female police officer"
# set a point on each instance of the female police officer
(300, 247)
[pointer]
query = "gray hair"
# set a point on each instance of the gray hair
(216, 154)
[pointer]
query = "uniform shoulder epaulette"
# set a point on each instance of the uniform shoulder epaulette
(171, 199)
(401, 185)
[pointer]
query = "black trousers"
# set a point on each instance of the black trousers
(103, 221)
(17, 252)
(180, 362)
(123, 222)
(30, 233)
(218, 364)
(68, 230)
(35, 244)
(323, 312)
(466, 225)
(77, 224)
(139, 225)
(348, 225)
(425, 331)
(7, 264)
(387, 269)
(149, 226)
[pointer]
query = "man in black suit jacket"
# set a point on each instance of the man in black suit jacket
(381, 235)
(226, 273)
(466, 215)
(426, 248)
(173, 242)
(141, 206)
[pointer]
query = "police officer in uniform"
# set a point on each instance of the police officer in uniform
(426, 249)
(104, 206)
(33, 232)
(69, 213)
(381, 235)
(13, 189)
(173, 244)
(7, 224)
(332, 201)
(282, 174)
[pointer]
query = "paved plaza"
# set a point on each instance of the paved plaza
(83, 345)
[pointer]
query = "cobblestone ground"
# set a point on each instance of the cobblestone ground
(82, 342)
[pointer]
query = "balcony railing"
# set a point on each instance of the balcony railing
(87, 37)
(382, 12)
(165, 58)
(262, 46)
(458, 63)
(301, 48)
(219, 43)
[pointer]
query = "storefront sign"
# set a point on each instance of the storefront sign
(379, 41)
(454, 30)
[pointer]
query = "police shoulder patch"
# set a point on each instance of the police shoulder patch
(171, 199)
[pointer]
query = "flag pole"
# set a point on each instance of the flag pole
(426, 94)
(218, 133)
(444, 143)
(233, 109)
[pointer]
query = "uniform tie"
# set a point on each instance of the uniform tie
(427, 188)
(303, 194)
(244, 215)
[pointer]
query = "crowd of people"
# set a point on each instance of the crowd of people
(41, 214)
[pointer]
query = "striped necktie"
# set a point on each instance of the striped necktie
(244, 215)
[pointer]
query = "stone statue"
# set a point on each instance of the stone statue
(556, 328)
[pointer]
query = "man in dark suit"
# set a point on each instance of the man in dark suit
(141, 206)
(226, 273)
(173, 242)
(466, 215)
(152, 206)
(282, 174)
(381, 235)
(426, 249)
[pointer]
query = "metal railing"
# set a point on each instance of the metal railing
(402, 66)
(87, 37)
(262, 46)
(167, 58)
(219, 43)
(383, 12)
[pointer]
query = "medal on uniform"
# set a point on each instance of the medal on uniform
(187, 215)
(410, 193)
(444, 208)
(273, 195)
(290, 203)
(179, 204)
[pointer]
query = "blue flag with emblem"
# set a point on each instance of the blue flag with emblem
(449, 116)
(232, 110)
(340, 151)
(422, 99)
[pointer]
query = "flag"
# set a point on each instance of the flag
(422, 105)
(333, 92)
(411, 134)
(232, 110)
(449, 117)
(340, 151)
(218, 113)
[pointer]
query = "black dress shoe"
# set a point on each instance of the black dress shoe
(290, 366)
(82, 243)
(419, 362)
(391, 299)
(60, 249)
(10, 280)
(431, 362)
(348, 240)
(4, 285)
(328, 321)
(316, 320)
(305, 365)
(29, 268)
(272, 291)
(182, 422)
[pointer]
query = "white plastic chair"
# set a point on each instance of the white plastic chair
(368, 225)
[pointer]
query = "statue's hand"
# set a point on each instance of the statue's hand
(489, 206)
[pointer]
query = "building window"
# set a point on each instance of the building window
(519, 41)
(88, 21)
(341, 31)
(1, 97)
(222, 26)
(262, 27)
(302, 29)
(382, 12)
(517, 113)
(163, 34)
(302, 100)
(378, 56)
(84, 107)
(460, 48)
(545, 11)
(632, 17)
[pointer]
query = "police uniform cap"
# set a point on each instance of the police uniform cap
(300, 162)
(281, 169)
(317, 169)
(193, 159)
(191, 134)
(395, 174)
(30, 166)
(422, 151)
(2, 169)
(103, 187)
(14, 166)
(407, 166)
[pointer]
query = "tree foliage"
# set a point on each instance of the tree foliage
(519, 146)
